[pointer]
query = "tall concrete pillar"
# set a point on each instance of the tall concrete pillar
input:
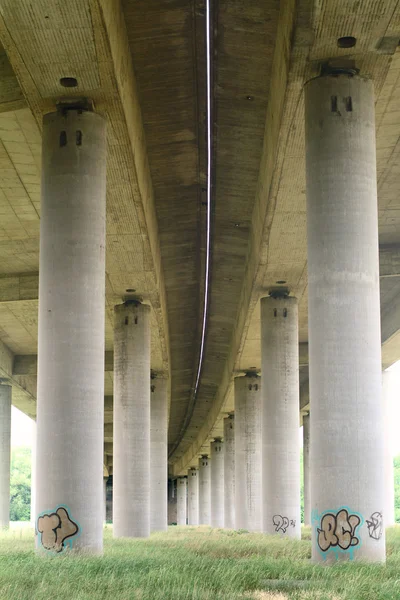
(33, 476)
(306, 469)
(217, 483)
(131, 460)
(193, 496)
(181, 501)
(248, 452)
(5, 454)
(105, 479)
(159, 454)
(229, 472)
(204, 490)
(70, 391)
(388, 511)
(280, 416)
(347, 474)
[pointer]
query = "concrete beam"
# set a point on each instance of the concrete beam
(26, 364)
(108, 432)
(303, 354)
(305, 397)
(11, 96)
(24, 388)
(390, 326)
(389, 261)
(17, 287)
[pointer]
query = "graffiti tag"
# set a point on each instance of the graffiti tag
(375, 526)
(55, 528)
(338, 530)
(282, 523)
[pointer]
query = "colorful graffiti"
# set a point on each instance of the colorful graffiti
(56, 529)
(337, 531)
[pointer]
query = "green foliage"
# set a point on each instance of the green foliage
(20, 484)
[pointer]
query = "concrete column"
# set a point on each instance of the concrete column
(131, 460)
(193, 497)
(280, 416)
(229, 472)
(5, 454)
(217, 483)
(33, 475)
(347, 474)
(105, 479)
(172, 504)
(388, 511)
(159, 455)
(306, 469)
(248, 452)
(70, 391)
(181, 501)
(204, 490)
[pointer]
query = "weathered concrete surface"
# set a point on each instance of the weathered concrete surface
(387, 392)
(71, 323)
(181, 501)
(280, 416)
(5, 453)
(217, 483)
(131, 460)
(346, 419)
(306, 469)
(193, 496)
(229, 472)
(248, 468)
(204, 490)
(159, 454)
(172, 501)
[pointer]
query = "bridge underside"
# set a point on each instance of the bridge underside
(142, 68)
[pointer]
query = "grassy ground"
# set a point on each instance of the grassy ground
(192, 563)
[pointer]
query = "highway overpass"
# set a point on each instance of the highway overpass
(179, 125)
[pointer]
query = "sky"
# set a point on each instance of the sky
(22, 427)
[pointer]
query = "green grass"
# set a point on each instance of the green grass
(192, 564)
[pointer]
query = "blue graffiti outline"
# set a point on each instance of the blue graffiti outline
(317, 518)
(67, 544)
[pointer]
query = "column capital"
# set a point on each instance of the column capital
(252, 375)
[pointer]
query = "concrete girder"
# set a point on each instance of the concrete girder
(389, 261)
(26, 364)
(24, 388)
(11, 96)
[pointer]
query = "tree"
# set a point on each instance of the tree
(20, 484)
